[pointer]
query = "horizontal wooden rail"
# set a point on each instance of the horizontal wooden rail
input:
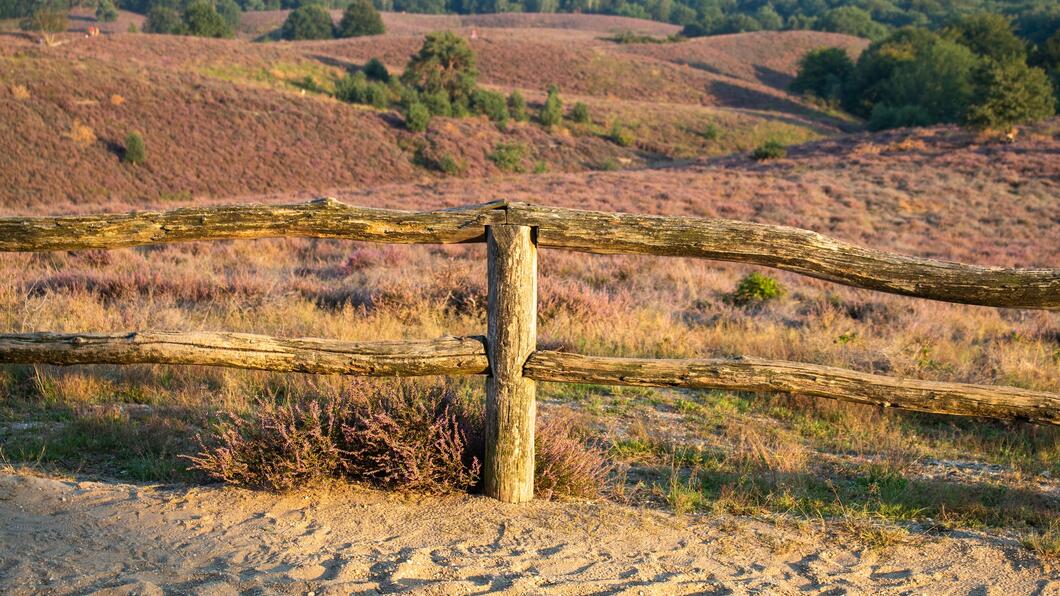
(321, 218)
(467, 356)
(777, 376)
(443, 356)
(791, 249)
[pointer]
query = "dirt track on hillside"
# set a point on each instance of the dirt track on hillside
(87, 537)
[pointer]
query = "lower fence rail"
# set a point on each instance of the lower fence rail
(468, 356)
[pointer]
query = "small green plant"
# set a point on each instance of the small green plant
(580, 113)
(517, 106)
(509, 156)
(417, 117)
(621, 136)
(552, 110)
(756, 288)
(541, 166)
(710, 132)
(438, 162)
(135, 151)
(769, 150)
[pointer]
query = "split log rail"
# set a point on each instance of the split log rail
(508, 354)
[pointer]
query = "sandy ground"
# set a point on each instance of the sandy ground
(59, 536)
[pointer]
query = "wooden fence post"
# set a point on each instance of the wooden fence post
(511, 338)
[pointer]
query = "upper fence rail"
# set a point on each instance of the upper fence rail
(791, 249)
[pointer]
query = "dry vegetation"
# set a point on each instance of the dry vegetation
(238, 124)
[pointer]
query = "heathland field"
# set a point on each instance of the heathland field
(664, 489)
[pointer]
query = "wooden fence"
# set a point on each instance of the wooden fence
(508, 353)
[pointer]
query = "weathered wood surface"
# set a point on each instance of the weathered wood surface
(771, 376)
(508, 473)
(791, 249)
(443, 356)
(321, 218)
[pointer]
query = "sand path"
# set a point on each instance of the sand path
(60, 536)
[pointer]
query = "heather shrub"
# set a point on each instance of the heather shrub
(756, 287)
(517, 106)
(565, 465)
(135, 150)
(769, 150)
(403, 436)
(580, 113)
(417, 117)
(442, 162)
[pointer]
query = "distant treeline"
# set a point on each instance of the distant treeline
(1034, 20)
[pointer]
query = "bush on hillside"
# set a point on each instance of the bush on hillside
(988, 35)
(580, 113)
(823, 74)
(135, 150)
(756, 288)
(163, 20)
(445, 62)
(375, 70)
(492, 104)
(509, 157)
(47, 17)
(769, 150)
(1007, 94)
(417, 117)
(437, 103)
(517, 106)
(201, 19)
(311, 21)
(552, 111)
(402, 437)
(359, 19)
(106, 12)
(620, 135)
(230, 12)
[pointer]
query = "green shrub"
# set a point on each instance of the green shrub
(311, 21)
(1007, 94)
(552, 110)
(445, 62)
(711, 132)
(47, 17)
(885, 117)
(580, 113)
(756, 288)
(438, 162)
(230, 13)
(417, 117)
(201, 19)
(509, 156)
(620, 135)
(769, 150)
(164, 21)
(375, 70)
(360, 18)
(378, 95)
(517, 106)
(437, 103)
(823, 73)
(492, 105)
(135, 150)
(106, 11)
(352, 88)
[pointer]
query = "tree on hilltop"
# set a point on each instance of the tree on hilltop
(445, 62)
(361, 18)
